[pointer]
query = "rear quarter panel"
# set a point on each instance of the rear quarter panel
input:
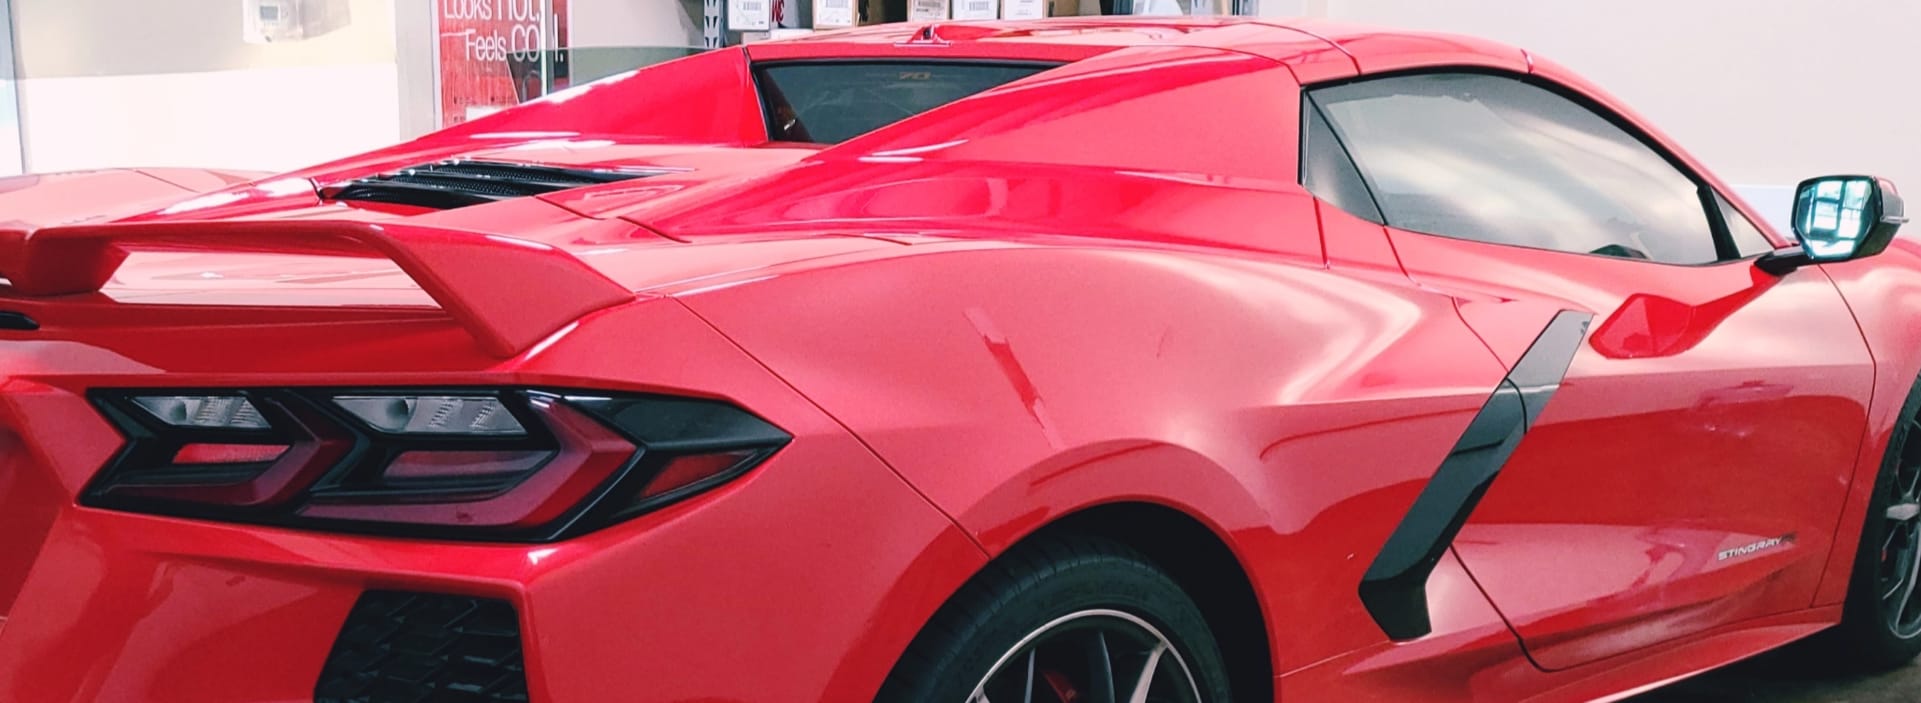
(1295, 410)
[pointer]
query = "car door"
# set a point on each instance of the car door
(1687, 471)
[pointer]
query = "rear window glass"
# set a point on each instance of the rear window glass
(827, 103)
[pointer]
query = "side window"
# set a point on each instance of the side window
(1326, 170)
(1498, 160)
(1747, 238)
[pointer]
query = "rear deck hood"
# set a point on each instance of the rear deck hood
(579, 221)
(663, 168)
(509, 271)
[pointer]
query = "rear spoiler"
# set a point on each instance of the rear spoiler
(508, 293)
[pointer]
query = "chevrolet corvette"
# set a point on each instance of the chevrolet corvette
(1083, 360)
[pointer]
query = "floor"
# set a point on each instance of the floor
(1769, 680)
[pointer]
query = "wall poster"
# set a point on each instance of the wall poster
(495, 54)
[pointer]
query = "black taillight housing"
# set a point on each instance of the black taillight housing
(531, 465)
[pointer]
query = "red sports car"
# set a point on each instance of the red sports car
(1073, 361)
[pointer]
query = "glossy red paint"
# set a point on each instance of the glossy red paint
(144, 582)
(1060, 294)
(1377, 50)
(1878, 291)
(1602, 534)
(40, 200)
(709, 99)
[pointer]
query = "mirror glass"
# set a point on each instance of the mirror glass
(1831, 216)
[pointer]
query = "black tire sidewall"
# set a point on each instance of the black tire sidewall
(1023, 593)
(1865, 640)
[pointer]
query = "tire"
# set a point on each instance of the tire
(1037, 617)
(1870, 638)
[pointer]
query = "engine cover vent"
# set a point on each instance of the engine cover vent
(458, 183)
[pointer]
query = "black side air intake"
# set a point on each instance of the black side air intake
(454, 184)
(400, 647)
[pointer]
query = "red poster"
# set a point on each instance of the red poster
(490, 54)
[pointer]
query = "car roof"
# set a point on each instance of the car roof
(1319, 49)
(1093, 29)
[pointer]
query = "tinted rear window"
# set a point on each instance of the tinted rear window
(828, 103)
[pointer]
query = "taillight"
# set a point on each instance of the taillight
(500, 464)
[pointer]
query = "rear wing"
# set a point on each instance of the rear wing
(508, 293)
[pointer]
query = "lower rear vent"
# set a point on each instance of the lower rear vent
(400, 647)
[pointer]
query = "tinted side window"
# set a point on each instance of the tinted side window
(836, 101)
(1498, 160)
(1747, 238)
(1328, 172)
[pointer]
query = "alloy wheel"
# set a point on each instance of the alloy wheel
(1900, 568)
(1092, 656)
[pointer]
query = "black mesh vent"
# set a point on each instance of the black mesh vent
(453, 184)
(399, 647)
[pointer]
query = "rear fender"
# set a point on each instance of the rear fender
(1297, 410)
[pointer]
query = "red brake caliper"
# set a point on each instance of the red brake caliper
(1063, 689)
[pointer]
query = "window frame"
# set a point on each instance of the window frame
(1725, 249)
(1310, 115)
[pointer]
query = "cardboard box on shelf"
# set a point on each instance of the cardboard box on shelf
(834, 14)
(1023, 9)
(749, 15)
(926, 10)
(977, 9)
(1069, 8)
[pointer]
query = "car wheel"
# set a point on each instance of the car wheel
(1881, 622)
(1064, 620)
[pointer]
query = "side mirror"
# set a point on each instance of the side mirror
(1839, 218)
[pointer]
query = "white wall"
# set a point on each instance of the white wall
(632, 23)
(172, 83)
(1766, 92)
(271, 119)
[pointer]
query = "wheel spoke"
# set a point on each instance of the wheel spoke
(1146, 681)
(1032, 655)
(1894, 562)
(1898, 569)
(1907, 587)
(1084, 657)
(1100, 666)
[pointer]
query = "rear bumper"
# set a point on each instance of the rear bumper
(802, 580)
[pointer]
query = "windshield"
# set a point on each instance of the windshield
(831, 102)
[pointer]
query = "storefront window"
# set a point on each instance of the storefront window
(495, 54)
